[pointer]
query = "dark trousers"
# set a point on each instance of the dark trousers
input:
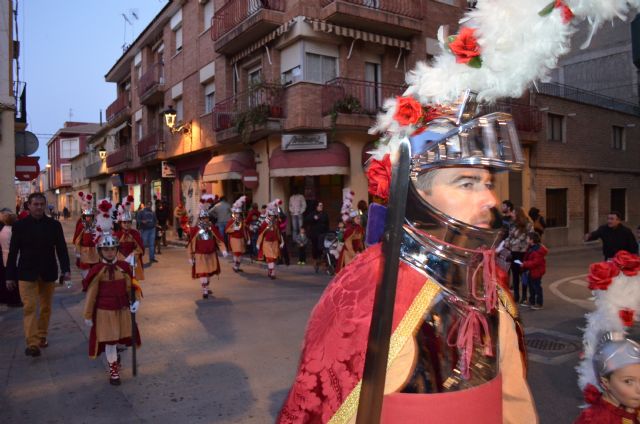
(535, 291)
(302, 254)
(284, 252)
(515, 273)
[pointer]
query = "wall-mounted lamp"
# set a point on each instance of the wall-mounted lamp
(48, 165)
(543, 109)
(572, 114)
(102, 153)
(170, 120)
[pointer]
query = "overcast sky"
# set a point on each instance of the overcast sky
(66, 48)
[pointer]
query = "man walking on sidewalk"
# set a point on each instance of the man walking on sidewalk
(614, 236)
(36, 240)
(148, 223)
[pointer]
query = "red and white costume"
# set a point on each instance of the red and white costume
(270, 239)
(237, 233)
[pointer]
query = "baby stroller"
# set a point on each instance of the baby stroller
(330, 252)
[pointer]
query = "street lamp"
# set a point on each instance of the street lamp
(170, 120)
(102, 153)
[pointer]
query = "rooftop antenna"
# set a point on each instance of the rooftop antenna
(129, 19)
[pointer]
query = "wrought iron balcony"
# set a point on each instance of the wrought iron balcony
(150, 144)
(408, 8)
(390, 17)
(351, 96)
(151, 85)
(249, 109)
(588, 97)
(119, 156)
(119, 109)
(240, 22)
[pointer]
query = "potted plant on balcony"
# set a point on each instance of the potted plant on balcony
(348, 104)
(247, 121)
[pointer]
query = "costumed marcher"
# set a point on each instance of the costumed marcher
(609, 373)
(237, 233)
(204, 242)
(109, 304)
(454, 333)
(353, 237)
(131, 247)
(270, 240)
(86, 236)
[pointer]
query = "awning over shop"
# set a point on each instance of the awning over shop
(357, 34)
(299, 163)
(118, 128)
(264, 40)
(229, 166)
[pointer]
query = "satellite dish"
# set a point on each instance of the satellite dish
(26, 143)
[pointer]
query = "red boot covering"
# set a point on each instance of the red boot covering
(114, 375)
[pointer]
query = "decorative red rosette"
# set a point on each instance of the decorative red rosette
(465, 47)
(567, 14)
(89, 197)
(81, 193)
(601, 274)
(591, 394)
(627, 262)
(379, 176)
(129, 199)
(626, 316)
(408, 111)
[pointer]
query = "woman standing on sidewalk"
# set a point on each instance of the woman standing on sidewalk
(517, 244)
(7, 297)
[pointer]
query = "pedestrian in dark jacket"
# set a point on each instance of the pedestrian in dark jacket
(614, 236)
(36, 240)
(318, 222)
(535, 265)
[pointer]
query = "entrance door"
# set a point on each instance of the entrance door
(590, 207)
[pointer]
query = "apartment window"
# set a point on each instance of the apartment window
(556, 207)
(319, 68)
(69, 147)
(371, 3)
(617, 138)
(65, 174)
(138, 130)
(178, 39)
(139, 71)
(292, 75)
(179, 110)
(176, 26)
(619, 201)
(555, 123)
(207, 14)
(209, 97)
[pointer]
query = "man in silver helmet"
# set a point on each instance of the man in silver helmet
(454, 328)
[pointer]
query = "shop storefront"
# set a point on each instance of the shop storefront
(188, 184)
(225, 174)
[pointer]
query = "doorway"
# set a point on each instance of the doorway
(590, 207)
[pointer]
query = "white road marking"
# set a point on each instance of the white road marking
(575, 279)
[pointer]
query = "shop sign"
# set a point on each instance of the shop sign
(250, 178)
(168, 170)
(308, 141)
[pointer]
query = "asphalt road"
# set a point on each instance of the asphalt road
(231, 358)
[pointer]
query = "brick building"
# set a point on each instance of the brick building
(286, 90)
(67, 143)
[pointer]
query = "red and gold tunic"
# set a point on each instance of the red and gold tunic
(603, 412)
(353, 236)
(327, 386)
(269, 239)
(107, 302)
(238, 235)
(204, 251)
(85, 242)
(130, 243)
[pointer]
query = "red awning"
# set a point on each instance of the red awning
(334, 160)
(229, 166)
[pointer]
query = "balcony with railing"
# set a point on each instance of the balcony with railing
(392, 17)
(120, 109)
(355, 103)
(96, 169)
(249, 115)
(150, 145)
(118, 157)
(240, 22)
(151, 85)
(588, 97)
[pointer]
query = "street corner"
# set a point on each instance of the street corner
(575, 290)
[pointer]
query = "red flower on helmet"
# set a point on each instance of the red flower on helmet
(81, 193)
(379, 176)
(627, 262)
(129, 198)
(601, 274)
(465, 45)
(408, 111)
(626, 316)
(591, 394)
(89, 197)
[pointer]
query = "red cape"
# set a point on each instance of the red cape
(136, 237)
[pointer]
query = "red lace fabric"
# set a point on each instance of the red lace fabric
(334, 346)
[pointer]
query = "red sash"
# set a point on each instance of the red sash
(112, 295)
(205, 247)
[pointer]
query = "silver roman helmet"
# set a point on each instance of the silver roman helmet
(108, 240)
(614, 351)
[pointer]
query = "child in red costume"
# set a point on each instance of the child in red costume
(131, 246)
(353, 237)
(108, 305)
(204, 242)
(85, 239)
(238, 233)
(269, 238)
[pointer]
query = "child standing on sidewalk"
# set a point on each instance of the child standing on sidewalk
(301, 240)
(534, 263)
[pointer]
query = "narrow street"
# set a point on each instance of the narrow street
(231, 358)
